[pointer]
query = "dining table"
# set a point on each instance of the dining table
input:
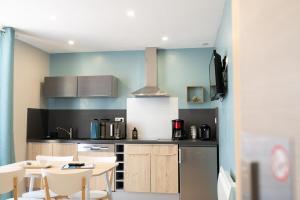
(57, 167)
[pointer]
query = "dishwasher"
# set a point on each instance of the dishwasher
(97, 150)
(198, 173)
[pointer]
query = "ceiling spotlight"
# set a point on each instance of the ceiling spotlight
(164, 38)
(205, 44)
(71, 42)
(130, 13)
(52, 18)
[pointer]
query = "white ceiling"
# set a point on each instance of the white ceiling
(103, 25)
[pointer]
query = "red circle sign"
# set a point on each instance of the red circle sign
(280, 163)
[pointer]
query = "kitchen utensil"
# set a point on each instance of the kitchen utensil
(177, 129)
(204, 132)
(95, 129)
(193, 130)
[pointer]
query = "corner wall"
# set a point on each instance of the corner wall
(30, 67)
(226, 117)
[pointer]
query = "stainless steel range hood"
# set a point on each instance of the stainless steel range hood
(150, 89)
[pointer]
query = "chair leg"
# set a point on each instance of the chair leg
(108, 186)
(31, 184)
(15, 191)
(47, 188)
(83, 188)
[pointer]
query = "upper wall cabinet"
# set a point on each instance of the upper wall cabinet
(97, 86)
(81, 86)
(63, 86)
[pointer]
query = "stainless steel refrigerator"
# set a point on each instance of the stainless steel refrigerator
(198, 173)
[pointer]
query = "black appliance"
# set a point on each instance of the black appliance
(218, 76)
(178, 129)
(111, 130)
(204, 132)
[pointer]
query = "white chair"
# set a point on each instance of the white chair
(98, 194)
(10, 177)
(42, 158)
(67, 183)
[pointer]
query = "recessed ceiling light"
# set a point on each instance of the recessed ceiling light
(205, 44)
(130, 13)
(52, 18)
(71, 42)
(164, 38)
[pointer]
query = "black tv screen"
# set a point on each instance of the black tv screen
(217, 89)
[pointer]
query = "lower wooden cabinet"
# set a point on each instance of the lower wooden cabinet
(164, 169)
(34, 149)
(49, 149)
(137, 168)
(151, 168)
(64, 149)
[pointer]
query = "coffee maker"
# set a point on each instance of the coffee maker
(177, 129)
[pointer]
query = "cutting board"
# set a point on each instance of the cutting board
(152, 117)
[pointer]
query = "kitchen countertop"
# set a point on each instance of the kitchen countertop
(129, 141)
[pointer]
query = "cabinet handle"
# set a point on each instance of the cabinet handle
(173, 154)
(179, 159)
(139, 154)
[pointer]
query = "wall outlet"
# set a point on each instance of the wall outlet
(119, 119)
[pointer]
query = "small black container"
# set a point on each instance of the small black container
(204, 132)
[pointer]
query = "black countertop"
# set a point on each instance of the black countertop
(129, 141)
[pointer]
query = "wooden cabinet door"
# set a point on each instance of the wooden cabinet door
(35, 148)
(64, 149)
(137, 168)
(164, 169)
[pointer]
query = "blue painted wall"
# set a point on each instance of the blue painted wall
(177, 69)
(226, 125)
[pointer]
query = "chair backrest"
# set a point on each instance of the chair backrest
(68, 182)
(94, 159)
(10, 177)
(54, 158)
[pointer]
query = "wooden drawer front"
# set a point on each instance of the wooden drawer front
(164, 149)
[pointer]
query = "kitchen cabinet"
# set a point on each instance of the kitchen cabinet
(49, 149)
(64, 149)
(97, 86)
(60, 86)
(164, 169)
(137, 168)
(34, 149)
(151, 168)
(80, 86)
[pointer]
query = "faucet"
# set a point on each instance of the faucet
(70, 132)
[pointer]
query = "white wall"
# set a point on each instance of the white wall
(268, 46)
(30, 67)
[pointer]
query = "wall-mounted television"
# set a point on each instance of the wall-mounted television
(217, 74)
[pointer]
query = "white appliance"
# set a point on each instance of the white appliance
(226, 186)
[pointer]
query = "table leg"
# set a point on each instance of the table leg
(108, 186)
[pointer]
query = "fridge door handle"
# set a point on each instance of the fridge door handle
(179, 156)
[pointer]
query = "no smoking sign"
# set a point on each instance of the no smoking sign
(280, 163)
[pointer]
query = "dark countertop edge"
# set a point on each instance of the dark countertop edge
(129, 141)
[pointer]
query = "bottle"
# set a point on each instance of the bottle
(95, 129)
(134, 134)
